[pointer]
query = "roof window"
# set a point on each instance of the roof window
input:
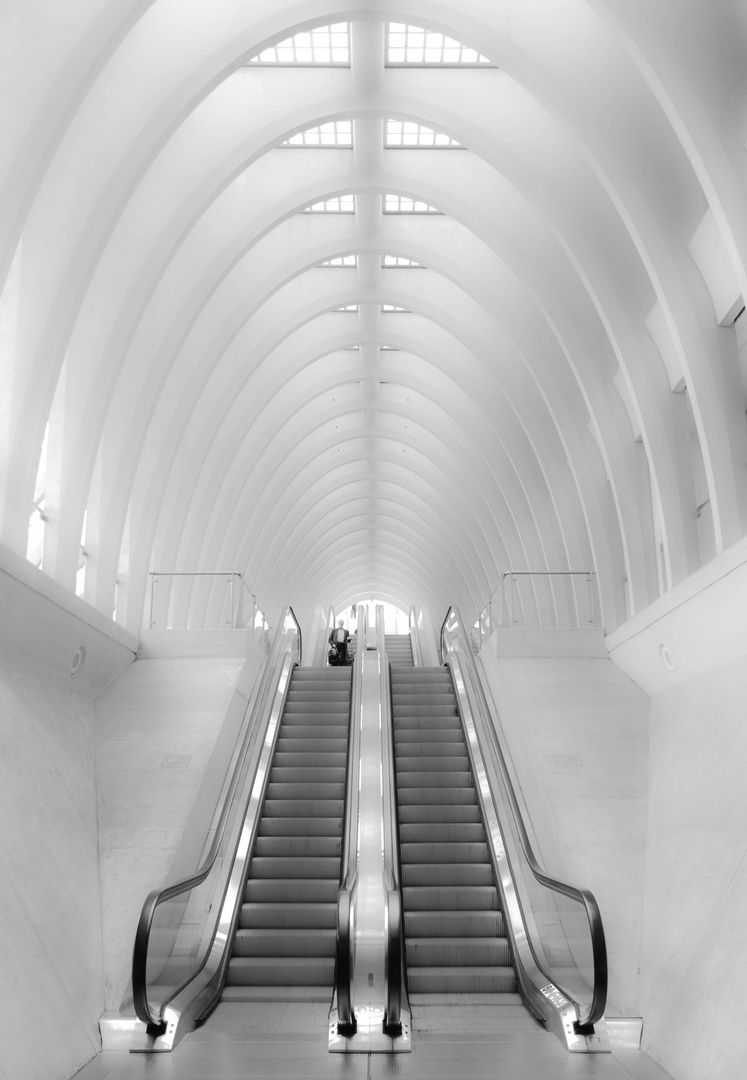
(327, 45)
(409, 45)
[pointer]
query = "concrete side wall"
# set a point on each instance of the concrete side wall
(156, 729)
(50, 916)
(690, 652)
(577, 732)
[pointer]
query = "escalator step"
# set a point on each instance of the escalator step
(297, 745)
(312, 792)
(443, 853)
(294, 867)
(414, 763)
(442, 832)
(445, 980)
(294, 759)
(428, 738)
(457, 952)
(462, 924)
(285, 943)
(430, 813)
(447, 874)
(300, 826)
(279, 891)
(314, 731)
(281, 971)
(298, 916)
(298, 846)
(446, 778)
(436, 796)
(308, 774)
(290, 808)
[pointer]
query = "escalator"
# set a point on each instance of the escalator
(399, 650)
(284, 947)
(455, 940)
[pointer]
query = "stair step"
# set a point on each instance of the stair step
(435, 796)
(295, 759)
(295, 846)
(442, 832)
(281, 971)
(294, 867)
(283, 890)
(284, 942)
(457, 952)
(449, 898)
(311, 792)
(296, 916)
(289, 808)
(432, 779)
(471, 980)
(447, 874)
(300, 826)
(460, 924)
(443, 853)
(308, 774)
(434, 813)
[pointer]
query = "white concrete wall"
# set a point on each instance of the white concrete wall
(50, 916)
(50, 909)
(577, 732)
(156, 729)
(694, 946)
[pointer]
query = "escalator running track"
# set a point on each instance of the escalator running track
(284, 948)
(455, 941)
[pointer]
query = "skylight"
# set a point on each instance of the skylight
(402, 204)
(406, 133)
(399, 261)
(347, 307)
(341, 260)
(340, 204)
(408, 44)
(335, 133)
(322, 45)
(393, 308)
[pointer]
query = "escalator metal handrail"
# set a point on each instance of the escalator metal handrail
(394, 954)
(344, 941)
(414, 630)
(587, 1017)
(159, 896)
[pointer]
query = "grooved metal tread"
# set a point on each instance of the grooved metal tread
(455, 939)
(284, 947)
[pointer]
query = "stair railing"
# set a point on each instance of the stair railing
(181, 939)
(394, 929)
(345, 938)
(572, 999)
(414, 631)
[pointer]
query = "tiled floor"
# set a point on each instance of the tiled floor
(282, 1041)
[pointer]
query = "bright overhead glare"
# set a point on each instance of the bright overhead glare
(408, 44)
(322, 45)
(400, 261)
(407, 134)
(341, 260)
(403, 204)
(335, 133)
(340, 204)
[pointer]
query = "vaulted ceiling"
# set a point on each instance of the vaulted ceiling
(560, 387)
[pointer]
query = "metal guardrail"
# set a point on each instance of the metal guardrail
(197, 947)
(548, 995)
(345, 938)
(394, 921)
